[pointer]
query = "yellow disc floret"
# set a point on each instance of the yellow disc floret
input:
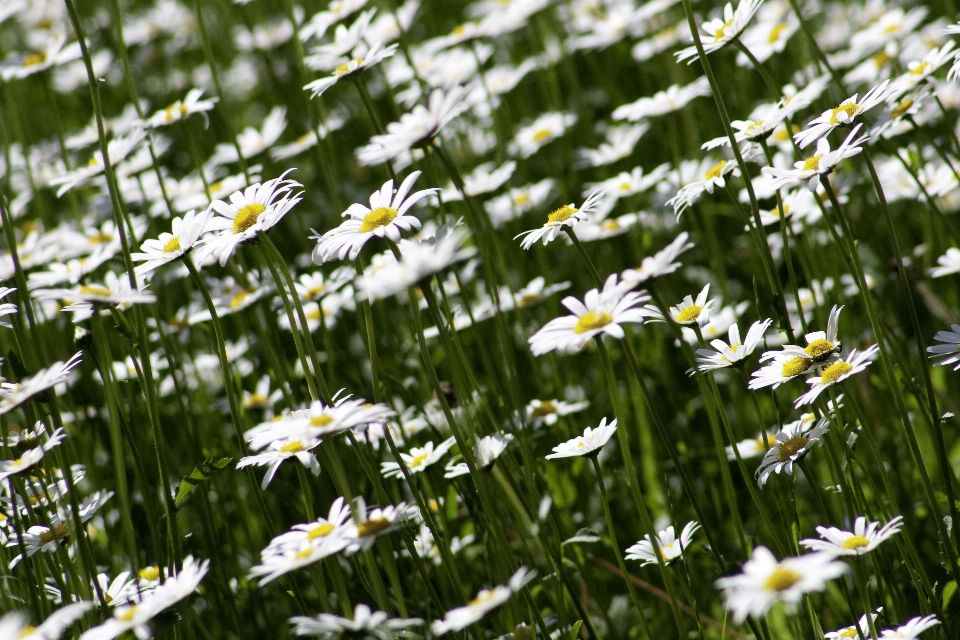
(379, 217)
(247, 217)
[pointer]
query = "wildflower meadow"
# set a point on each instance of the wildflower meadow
(480, 319)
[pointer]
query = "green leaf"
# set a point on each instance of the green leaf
(949, 590)
(200, 474)
(575, 630)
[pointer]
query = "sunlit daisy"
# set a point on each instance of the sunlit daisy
(172, 246)
(911, 630)
(720, 31)
(844, 115)
(865, 537)
(791, 444)
(670, 546)
(821, 163)
(588, 444)
(734, 353)
(837, 372)
(486, 601)
(363, 623)
(565, 217)
(418, 459)
(949, 351)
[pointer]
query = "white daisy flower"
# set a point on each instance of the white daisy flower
(751, 447)
(256, 209)
(620, 143)
(415, 129)
(691, 311)
(386, 217)
(486, 178)
(542, 131)
(764, 582)
(53, 53)
(334, 122)
(661, 263)
(33, 456)
(911, 630)
(822, 163)
(864, 538)
(669, 100)
(282, 450)
(854, 631)
(117, 149)
(720, 31)
(12, 396)
(836, 373)
(518, 200)
(601, 312)
(822, 346)
(949, 351)
(371, 524)
(535, 292)
(363, 623)
(591, 441)
(845, 114)
(374, 56)
(486, 601)
(670, 546)
(182, 109)
(734, 353)
(6, 308)
(547, 412)
(319, 421)
(792, 443)
(487, 449)
(252, 141)
(172, 246)
(566, 216)
(714, 177)
(949, 264)
(14, 624)
(418, 459)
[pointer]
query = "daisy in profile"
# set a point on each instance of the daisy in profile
(734, 353)
(719, 31)
(541, 132)
(691, 192)
(765, 582)
(29, 458)
(256, 209)
(836, 373)
(691, 311)
(487, 449)
(351, 68)
(363, 623)
(782, 368)
(418, 459)
(320, 421)
(565, 217)
(911, 630)
(949, 351)
(548, 411)
(14, 624)
(415, 129)
(486, 601)
(6, 308)
(54, 52)
(601, 312)
(864, 538)
(845, 114)
(949, 263)
(281, 451)
(792, 443)
(670, 546)
(14, 395)
(172, 246)
(669, 100)
(370, 524)
(661, 263)
(751, 447)
(534, 293)
(386, 217)
(182, 109)
(858, 631)
(820, 164)
(117, 149)
(588, 444)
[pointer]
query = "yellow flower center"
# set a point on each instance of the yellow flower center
(94, 290)
(35, 58)
(377, 218)
(791, 447)
(238, 299)
(127, 614)
(541, 135)
(100, 238)
(546, 408)
(320, 531)
(625, 186)
(149, 574)
(93, 161)
(920, 69)
(342, 69)
(26, 631)
(314, 314)
(306, 553)
(716, 170)
(855, 542)
(176, 107)
(849, 632)
(293, 447)
(794, 367)
(372, 527)
(173, 245)
(901, 108)
(247, 217)
(256, 400)
(849, 109)
(782, 579)
(313, 292)
(833, 373)
(812, 163)
(689, 314)
(562, 214)
(321, 420)
(611, 225)
(591, 321)
(529, 299)
(719, 34)
(775, 33)
(882, 59)
(214, 188)
(819, 348)
(57, 533)
(484, 596)
(521, 198)
(419, 460)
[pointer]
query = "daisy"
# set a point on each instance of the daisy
(620, 143)
(334, 122)
(370, 524)
(518, 200)
(864, 538)
(386, 217)
(949, 351)
(720, 31)
(53, 53)
(363, 623)
(535, 292)
(542, 131)
(117, 149)
(14, 625)
(334, 525)
(949, 263)
(601, 312)
(172, 246)
(256, 209)
(911, 630)
(13, 396)
(415, 129)
(784, 367)
(487, 449)
(136, 618)
(669, 100)
(822, 346)
(714, 177)
(121, 590)
(591, 441)
(836, 373)
(319, 421)
(661, 263)
(486, 178)
(486, 601)
(6, 308)
(691, 311)
(845, 114)
(735, 353)
(345, 40)
(351, 68)
(547, 412)
(282, 450)
(182, 109)
(822, 163)
(670, 546)
(764, 582)
(252, 141)
(33, 456)
(918, 71)
(751, 447)
(854, 631)
(418, 459)
(278, 561)
(792, 443)
(566, 216)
